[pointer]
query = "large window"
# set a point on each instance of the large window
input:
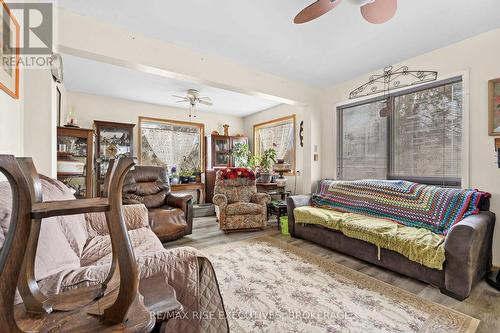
(278, 134)
(413, 135)
(169, 143)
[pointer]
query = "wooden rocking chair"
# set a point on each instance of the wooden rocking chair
(115, 305)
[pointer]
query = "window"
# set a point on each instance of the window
(169, 143)
(278, 134)
(414, 135)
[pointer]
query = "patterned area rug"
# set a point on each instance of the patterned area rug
(270, 286)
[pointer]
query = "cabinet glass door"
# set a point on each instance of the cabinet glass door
(222, 152)
(236, 141)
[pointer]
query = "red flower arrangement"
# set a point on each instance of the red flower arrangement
(233, 173)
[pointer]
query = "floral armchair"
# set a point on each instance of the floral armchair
(239, 205)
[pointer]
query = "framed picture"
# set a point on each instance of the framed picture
(494, 104)
(9, 52)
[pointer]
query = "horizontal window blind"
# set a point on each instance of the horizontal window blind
(413, 135)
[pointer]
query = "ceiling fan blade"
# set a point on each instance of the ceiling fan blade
(315, 10)
(379, 11)
(181, 97)
(205, 102)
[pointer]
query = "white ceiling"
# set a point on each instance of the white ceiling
(92, 77)
(260, 34)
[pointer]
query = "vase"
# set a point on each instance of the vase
(265, 177)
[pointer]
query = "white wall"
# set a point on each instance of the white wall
(11, 123)
(40, 136)
(275, 113)
(479, 56)
(92, 107)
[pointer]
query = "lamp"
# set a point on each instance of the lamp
(281, 167)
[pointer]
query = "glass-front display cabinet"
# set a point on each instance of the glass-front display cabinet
(220, 148)
(113, 140)
(75, 159)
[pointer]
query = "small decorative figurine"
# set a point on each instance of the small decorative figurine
(226, 130)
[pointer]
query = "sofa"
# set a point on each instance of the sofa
(75, 251)
(170, 215)
(453, 261)
(238, 205)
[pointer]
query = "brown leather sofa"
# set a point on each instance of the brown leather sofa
(170, 215)
(468, 248)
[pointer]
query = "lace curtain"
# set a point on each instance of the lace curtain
(280, 136)
(168, 147)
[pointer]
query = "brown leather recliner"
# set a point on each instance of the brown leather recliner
(170, 215)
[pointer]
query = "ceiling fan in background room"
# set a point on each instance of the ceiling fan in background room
(373, 11)
(193, 98)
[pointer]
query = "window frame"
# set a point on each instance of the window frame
(201, 127)
(277, 121)
(449, 182)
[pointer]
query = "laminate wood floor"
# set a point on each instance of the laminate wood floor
(483, 303)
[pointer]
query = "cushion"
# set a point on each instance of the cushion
(243, 208)
(135, 216)
(417, 244)
(61, 239)
(98, 250)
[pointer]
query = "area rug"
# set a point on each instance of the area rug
(271, 286)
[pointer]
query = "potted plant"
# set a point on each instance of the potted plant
(174, 177)
(242, 155)
(266, 162)
(197, 175)
(184, 176)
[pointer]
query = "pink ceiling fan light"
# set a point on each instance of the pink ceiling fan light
(379, 11)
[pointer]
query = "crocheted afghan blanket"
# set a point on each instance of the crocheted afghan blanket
(415, 205)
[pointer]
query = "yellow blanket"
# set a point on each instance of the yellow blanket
(419, 245)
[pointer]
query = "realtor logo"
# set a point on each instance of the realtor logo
(36, 23)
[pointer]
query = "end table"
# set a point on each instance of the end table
(277, 208)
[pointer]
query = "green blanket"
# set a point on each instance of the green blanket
(417, 244)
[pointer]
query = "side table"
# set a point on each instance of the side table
(198, 187)
(278, 208)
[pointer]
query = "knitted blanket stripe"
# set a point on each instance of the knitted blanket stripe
(415, 205)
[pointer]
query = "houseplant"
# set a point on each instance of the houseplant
(242, 155)
(265, 163)
(184, 176)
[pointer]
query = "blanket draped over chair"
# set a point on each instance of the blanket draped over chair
(415, 205)
(75, 251)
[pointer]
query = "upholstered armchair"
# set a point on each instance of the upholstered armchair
(239, 206)
(170, 215)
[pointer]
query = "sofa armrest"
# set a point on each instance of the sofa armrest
(220, 200)
(295, 202)
(468, 248)
(185, 203)
(135, 216)
(260, 198)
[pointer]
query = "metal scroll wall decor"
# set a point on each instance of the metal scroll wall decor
(392, 79)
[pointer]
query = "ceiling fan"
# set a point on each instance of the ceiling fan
(374, 11)
(193, 98)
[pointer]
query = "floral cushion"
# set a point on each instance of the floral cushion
(243, 208)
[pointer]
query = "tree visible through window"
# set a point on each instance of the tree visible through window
(419, 140)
